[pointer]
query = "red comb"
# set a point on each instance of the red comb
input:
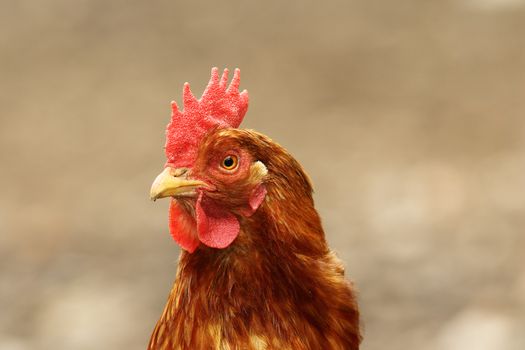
(219, 106)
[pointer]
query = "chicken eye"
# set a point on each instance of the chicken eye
(230, 162)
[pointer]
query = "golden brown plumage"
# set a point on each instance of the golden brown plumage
(278, 285)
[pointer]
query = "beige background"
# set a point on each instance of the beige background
(408, 115)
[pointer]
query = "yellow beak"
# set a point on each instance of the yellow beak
(174, 183)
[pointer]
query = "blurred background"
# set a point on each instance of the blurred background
(408, 115)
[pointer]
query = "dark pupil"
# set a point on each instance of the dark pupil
(228, 162)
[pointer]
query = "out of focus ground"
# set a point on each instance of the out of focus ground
(408, 115)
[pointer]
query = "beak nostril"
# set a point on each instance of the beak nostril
(179, 172)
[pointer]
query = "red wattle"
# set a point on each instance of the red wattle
(182, 228)
(216, 227)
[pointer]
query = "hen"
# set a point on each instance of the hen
(255, 271)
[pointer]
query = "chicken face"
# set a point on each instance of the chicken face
(231, 170)
(225, 183)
